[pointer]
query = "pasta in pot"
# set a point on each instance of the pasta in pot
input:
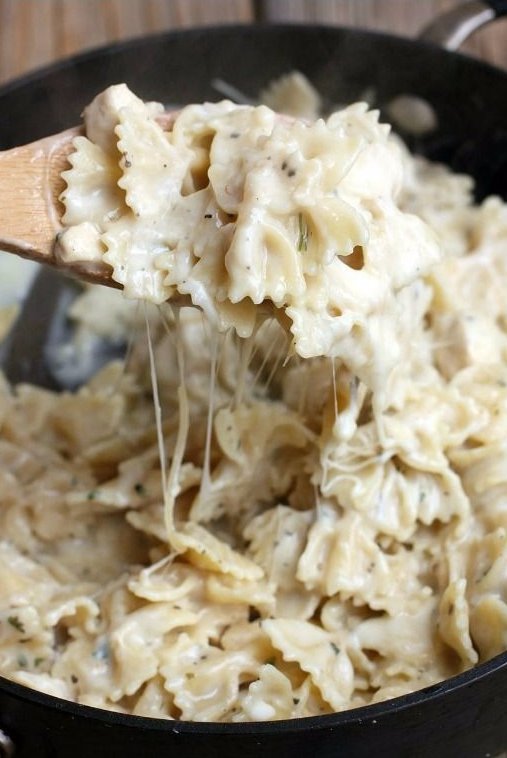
(316, 520)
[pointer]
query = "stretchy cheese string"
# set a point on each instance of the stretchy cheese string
(205, 486)
(171, 489)
(156, 402)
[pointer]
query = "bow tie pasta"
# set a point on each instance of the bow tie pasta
(291, 499)
(237, 207)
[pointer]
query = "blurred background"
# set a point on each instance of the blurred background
(34, 33)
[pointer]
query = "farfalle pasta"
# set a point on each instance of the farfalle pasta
(311, 515)
(237, 207)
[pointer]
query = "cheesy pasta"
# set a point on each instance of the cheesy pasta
(312, 515)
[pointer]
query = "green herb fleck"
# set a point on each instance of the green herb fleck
(22, 661)
(16, 623)
(335, 648)
(38, 661)
(295, 700)
(303, 234)
(139, 488)
(91, 495)
(101, 653)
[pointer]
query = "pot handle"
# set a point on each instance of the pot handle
(452, 28)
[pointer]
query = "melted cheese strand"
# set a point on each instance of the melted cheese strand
(280, 360)
(156, 402)
(167, 560)
(303, 395)
(272, 348)
(168, 327)
(172, 487)
(247, 349)
(333, 371)
(205, 485)
(318, 504)
(132, 339)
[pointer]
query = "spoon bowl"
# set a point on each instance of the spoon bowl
(30, 209)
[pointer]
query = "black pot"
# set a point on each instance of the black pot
(464, 716)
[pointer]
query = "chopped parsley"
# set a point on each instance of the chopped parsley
(16, 623)
(101, 652)
(336, 649)
(22, 661)
(139, 488)
(303, 234)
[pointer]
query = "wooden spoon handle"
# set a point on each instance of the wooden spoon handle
(30, 184)
(30, 212)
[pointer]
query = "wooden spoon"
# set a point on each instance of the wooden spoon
(30, 211)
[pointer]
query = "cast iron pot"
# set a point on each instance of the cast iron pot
(464, 716)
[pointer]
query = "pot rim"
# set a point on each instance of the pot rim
(263, 28)
(370, 714)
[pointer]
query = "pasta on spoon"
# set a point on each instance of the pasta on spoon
(237, 206)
